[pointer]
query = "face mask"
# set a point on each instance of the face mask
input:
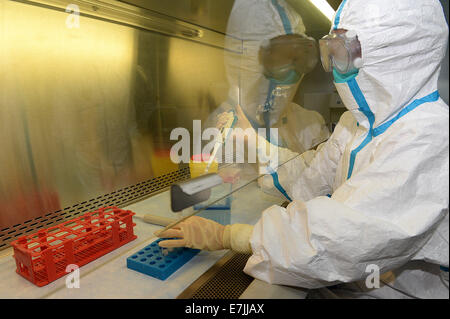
(341, 54)
(343, 78)
(349, 91)
(284, 75)
(280, 93)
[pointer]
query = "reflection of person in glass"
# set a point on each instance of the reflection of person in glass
(102, 140)
(267, 56)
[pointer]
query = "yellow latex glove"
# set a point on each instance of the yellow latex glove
(223, 119)
(201, 233)
(195, 232)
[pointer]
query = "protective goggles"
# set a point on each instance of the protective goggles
(340, 50)
(285, 55)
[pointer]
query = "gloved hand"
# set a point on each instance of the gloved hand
(249, 134)
(195, 232)
(201, 233)
(242, 120)
(223, 118)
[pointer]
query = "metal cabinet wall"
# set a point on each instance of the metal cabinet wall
(87, 103)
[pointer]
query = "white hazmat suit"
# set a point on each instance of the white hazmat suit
(385, 167)
(374, 198)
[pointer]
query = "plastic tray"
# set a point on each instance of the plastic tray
(151, 261)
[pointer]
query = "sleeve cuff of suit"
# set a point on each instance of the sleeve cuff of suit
(237, 238)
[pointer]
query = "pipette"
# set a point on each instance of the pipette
(156, 220)
(224, 133)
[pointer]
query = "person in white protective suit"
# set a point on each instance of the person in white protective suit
(267, 54)
(375, 196)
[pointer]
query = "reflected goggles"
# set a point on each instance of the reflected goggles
(340, 50)
(285, 55)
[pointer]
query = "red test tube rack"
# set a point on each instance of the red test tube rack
(42, 257)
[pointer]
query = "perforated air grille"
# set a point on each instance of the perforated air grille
(223, 281)
(117, 198)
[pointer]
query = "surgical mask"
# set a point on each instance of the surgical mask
(341, 82)
(285, 74)
(341, 51)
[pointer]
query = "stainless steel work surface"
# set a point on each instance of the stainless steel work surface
(108, 276)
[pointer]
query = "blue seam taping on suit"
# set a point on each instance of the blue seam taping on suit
(433, 97)
(361, 100)
(284, 18)
(267, 107)
(269, 99)
(277, 184)
(267, 124)
(365, 109)
(337, 19)
(374, 132)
